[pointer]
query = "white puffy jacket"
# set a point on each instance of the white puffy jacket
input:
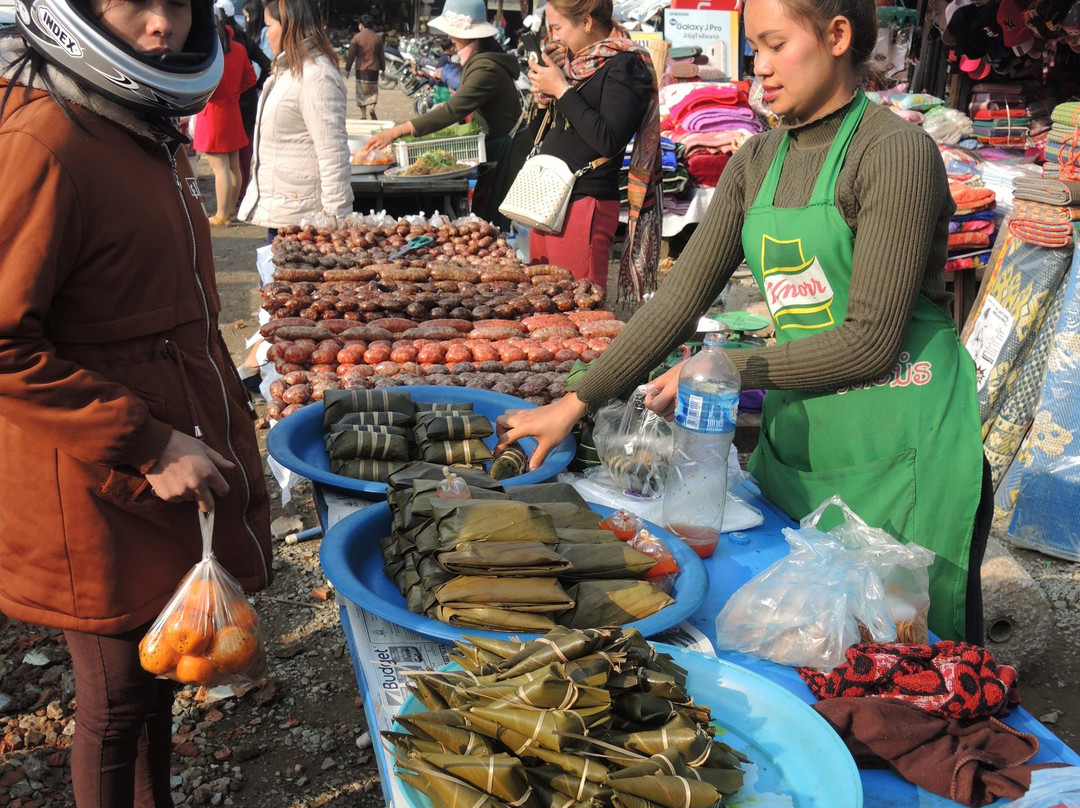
(300, 155)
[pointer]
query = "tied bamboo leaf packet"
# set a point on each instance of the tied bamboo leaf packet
(569, 719)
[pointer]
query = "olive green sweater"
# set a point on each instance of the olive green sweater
(487, 88)
(892, 192)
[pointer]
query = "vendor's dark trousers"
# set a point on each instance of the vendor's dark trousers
(983, 517)
(121, 751)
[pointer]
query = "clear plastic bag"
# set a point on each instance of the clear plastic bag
(1051, 788)
(207, 634)
(852, 584)
(634, 446)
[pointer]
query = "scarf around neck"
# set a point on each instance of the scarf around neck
(641, 250)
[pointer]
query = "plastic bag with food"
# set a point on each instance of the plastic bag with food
(207, 634)
(634, 446)
(854, 583)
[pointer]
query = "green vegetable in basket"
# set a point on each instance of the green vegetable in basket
(453, 130)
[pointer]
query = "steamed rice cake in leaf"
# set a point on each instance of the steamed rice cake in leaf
(470, 452)
(435, 426)
(337, 403)
(612, 603)
(566, 784)
(519, 594)
(375, 419)
(508, 558)
(375, 471)
(664, 792)
(585, 535)
(500, 775)
(493, 618)
(465, 520)
(613, 559)
(521, 729)
(432, 574)
(442, 791)
(571, 515)
(548, 492)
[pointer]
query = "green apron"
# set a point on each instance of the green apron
(903, 451)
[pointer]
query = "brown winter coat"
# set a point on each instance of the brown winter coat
(109, 340)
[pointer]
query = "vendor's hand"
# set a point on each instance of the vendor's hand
(188, 470)
(547, 78)
(660, 392)
(380, 140)
(549, 424)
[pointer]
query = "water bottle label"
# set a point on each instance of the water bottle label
(706, 412)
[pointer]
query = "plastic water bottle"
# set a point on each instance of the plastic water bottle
(695, 491)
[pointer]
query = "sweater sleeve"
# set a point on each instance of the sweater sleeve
(477, 86)
(671, 316)
(323, 100)
(350, 56)
(902, 171)
(608, 129)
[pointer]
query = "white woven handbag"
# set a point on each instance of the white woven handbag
(540, 194)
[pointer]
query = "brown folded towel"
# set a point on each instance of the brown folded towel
(972, 762)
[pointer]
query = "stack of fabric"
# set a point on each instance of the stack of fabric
(1063, 142)
(676, 178)
(999, 115)
(710, 121)
(999, 170)
(1042, 224)
(972, 228)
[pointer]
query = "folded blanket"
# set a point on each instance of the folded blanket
(714, 119)
(705, 167)
(697, 96)
(962, 262)
(968, 241)
(988, 112)
(1050, 191)
(970, 197)
(971, 762)
(973, 226)
(1067, 114)
(728, 140)
(1042, 225)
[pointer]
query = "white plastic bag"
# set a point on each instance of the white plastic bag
(831, 591)
(634, 446)
(1051, 788)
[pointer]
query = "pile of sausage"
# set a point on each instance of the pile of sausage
(358, 253)
(461, 312)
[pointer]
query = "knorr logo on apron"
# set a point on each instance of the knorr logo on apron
(797, 290)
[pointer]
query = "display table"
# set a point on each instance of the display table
(373, 192)
(379, 651)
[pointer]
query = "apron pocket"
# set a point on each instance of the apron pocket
(881, 492)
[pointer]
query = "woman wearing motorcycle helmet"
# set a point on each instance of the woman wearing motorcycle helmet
(121, 414)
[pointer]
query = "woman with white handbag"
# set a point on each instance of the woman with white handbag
(604, 95)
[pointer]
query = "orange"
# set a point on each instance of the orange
(202, 593)
(189, 631)
(232, 649)
(155, 655)
(196, 670)
(242, 614)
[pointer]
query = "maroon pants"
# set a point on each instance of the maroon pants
(584, 245)
(121, 751)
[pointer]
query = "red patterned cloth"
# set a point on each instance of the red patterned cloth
(947, 679)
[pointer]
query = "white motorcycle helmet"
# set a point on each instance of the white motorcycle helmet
(68, 36)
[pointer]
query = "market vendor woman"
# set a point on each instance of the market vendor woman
(842, 215)
(486, 90)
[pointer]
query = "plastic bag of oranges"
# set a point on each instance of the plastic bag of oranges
(207, 634)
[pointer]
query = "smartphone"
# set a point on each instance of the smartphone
(532, 46)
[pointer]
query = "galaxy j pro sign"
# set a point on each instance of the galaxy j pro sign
(712, 26)
(50, 25)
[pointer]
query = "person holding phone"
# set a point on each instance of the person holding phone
(486, 91)
(871, 396)
(604, 95)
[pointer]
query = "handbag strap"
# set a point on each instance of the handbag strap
(548, 117)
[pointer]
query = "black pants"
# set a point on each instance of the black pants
(122, 748)
(979, 534)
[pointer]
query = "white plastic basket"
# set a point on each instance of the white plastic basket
(467, 148)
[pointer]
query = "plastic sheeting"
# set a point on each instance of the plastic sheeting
(1041, 488)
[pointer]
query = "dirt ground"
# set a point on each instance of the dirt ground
(299, 738)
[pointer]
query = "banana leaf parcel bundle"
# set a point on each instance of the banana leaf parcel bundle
(401, 483)
(381, 429)
(501, 776)
(604, 560)
(548, 492)
(491, 617)
(445, 407)
(556, 781)
(337, 403)
(469, 452)
(443, 789)
(440, 426)
(659, 791)
(632, 708)
(672, 762)
(512, 462)
(433, 576)
(371, 470)
(365, 445)
(519, 594)
(612, 602)
(584, 535)
(561, 645)
(395, 420)
(424, 493)
(571, 515)
(504, 558)
(465, 520)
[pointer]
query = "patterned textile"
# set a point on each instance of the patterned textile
(641, 250)
(1008, 312)
(1041, 489)
(946, 679)
(1018, 405)
(1042, 225)
(1048, 191)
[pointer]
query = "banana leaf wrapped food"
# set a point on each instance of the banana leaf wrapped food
(612, 602)
(492, 617)
(440, 426)
(374, 418)
(470, 452)
(364, 445)
(504, 558)
(519, 594)
(456, 407)
(337, 403)
(512, 462)
(381, 429)
(610, 559)
(478, 520)
(360, 469)
(548, 492)
(558, 729)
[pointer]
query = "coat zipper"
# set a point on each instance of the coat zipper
(210, 358)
